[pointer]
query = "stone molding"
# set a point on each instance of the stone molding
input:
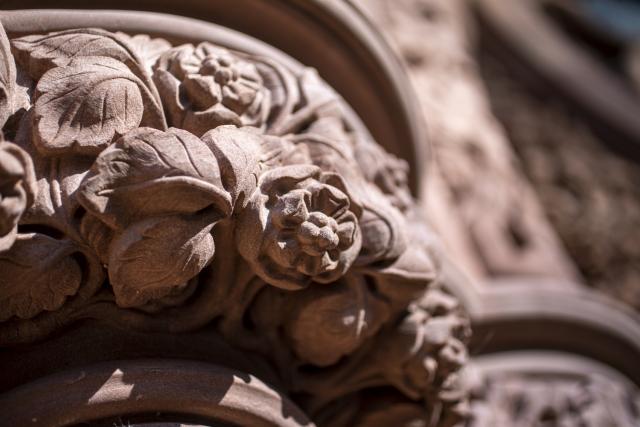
(204, 391)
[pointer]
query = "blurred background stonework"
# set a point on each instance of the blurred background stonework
(525, 184)
(534, 123)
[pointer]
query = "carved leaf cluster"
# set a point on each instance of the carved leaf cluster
(160, 193)
(90, 89)
(587, 400)
(37, 274)
(152, 173)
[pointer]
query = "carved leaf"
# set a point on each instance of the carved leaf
(40, 53)
(406, 278)
(156, 257)
(83, 106)
(148, 49)
(237, 151)
(84, 60)
(97, 235)
(58, 179)
(383, 232)
(284, 92)
(7, 78)
(38, 274)
(152, 173)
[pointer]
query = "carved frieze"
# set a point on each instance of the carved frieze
(590, 401)
(517, 391)
(168, 188)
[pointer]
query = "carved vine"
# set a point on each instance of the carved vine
(168, 188)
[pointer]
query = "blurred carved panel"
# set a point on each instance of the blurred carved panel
(486, 210)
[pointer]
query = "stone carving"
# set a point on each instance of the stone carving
(308, 227)
(17, 190)
(167, 188)
(522, 400)
(206, 86)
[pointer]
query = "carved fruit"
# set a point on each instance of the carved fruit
(330, 322)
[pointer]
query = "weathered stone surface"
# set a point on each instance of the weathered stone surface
(526, 291)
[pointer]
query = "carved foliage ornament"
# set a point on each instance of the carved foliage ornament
(168, 188)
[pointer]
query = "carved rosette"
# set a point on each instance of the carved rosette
(162, 188)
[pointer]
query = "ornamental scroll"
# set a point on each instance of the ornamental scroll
(167, 188)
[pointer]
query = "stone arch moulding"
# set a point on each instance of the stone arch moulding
(553, 350)
(548, 314)
(176, 387)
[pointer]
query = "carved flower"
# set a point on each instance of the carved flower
(17, 190)
(207, 86)
(382, 224)
(299, 226)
